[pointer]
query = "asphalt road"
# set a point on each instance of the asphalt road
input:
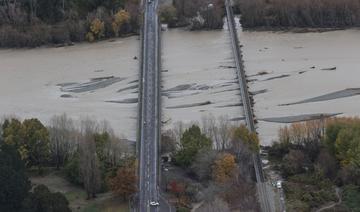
(148, 167)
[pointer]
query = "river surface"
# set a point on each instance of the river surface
(30, 83)
(99, 80)
(307, 59)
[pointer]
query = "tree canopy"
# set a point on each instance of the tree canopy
(192, 141)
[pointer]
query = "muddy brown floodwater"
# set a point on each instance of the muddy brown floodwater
(81, 80)
(322, 75)
(293, 76)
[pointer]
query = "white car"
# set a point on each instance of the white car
(279, 184)
(153, 203)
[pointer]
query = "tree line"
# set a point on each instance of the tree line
(86, 152)
(31, 23)
(299, 13)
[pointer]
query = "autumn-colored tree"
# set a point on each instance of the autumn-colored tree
(224, 168)
(97, 30)
(123, 183)
(177, 188)
(121, 18)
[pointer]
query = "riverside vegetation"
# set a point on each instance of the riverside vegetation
(316, 157)
(34, 23)
(90, 157)
(211, 167)
(299, 13)
(39, 22)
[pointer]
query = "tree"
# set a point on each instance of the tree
(36, 140)
(42, 200)
(30, 138)
(168, 14)
(12, 134)
(50, 11)
(14, 184)
(101, 141)
(203, 164)
(62, 139)
(89, 164)
(97, 30)
(243, 145)
(347, 146)
(224, 168)
(242, 136)
(327, 164)
(192, 141)
(121, 18)
(124, 183)
(294, 163)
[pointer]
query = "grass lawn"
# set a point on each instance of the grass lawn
(76, 195)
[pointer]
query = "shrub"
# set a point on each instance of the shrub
(60, 34)
(77, 30)
(38, 35)
(97, 29)
(168, 15)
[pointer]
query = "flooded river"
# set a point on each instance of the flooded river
(291, 74)
(302, 67)
(82, 80)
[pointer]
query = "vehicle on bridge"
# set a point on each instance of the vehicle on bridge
(153, 203)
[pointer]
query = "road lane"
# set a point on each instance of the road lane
(148, 165)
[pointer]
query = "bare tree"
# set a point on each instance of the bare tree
(89, 163)
(219, 130)
(179, 129)
(224, 131)
(63, 143)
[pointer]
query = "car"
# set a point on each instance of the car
(153, 203)
(150, 1)
(279, 184)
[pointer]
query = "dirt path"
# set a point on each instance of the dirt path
(337, 190)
